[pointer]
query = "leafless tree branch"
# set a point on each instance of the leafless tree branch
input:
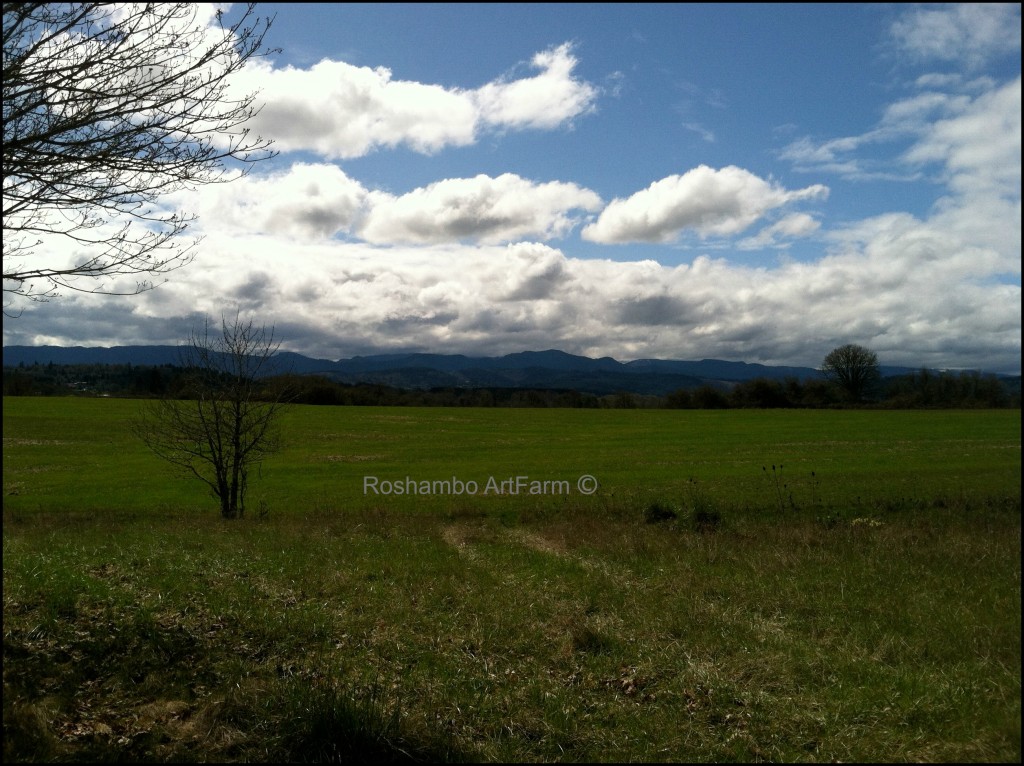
(107, 108)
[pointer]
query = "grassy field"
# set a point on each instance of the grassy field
(835, 585)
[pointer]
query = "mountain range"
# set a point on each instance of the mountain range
(527, 369)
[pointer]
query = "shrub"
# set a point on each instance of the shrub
(657, 513)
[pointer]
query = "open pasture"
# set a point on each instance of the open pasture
(79, 454)
(870, 611)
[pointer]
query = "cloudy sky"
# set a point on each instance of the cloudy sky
(746, 182)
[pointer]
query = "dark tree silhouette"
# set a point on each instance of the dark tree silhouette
(226, 425)
(107, 108)
(853, 368)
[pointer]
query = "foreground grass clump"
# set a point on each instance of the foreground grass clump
(467, 636)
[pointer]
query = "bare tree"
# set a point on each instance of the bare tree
(108, 107)
(853, 368)
(226, 425)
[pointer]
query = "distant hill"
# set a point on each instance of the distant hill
(549, 369)
(134, 355)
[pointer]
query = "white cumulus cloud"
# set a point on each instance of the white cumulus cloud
(968, 33)
(978, 142)
(704, 200)
(791, 227)
(544, 101)
(482, 209)
(341, 111)
(307, 201)
(312, 202)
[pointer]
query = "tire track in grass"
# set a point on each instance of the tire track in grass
(460, 537)
(464, 539)
(537, 542)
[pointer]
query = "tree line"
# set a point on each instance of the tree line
(922, 389)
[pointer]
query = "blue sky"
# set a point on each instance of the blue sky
(746, 182)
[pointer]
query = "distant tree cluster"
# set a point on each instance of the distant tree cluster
(123, 380)
(965, 389)
(323, 391)
(759, 393)
(917, 390)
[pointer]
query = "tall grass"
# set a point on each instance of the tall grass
(572, 638)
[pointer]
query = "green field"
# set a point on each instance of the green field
(79, 454)
(836, 585)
